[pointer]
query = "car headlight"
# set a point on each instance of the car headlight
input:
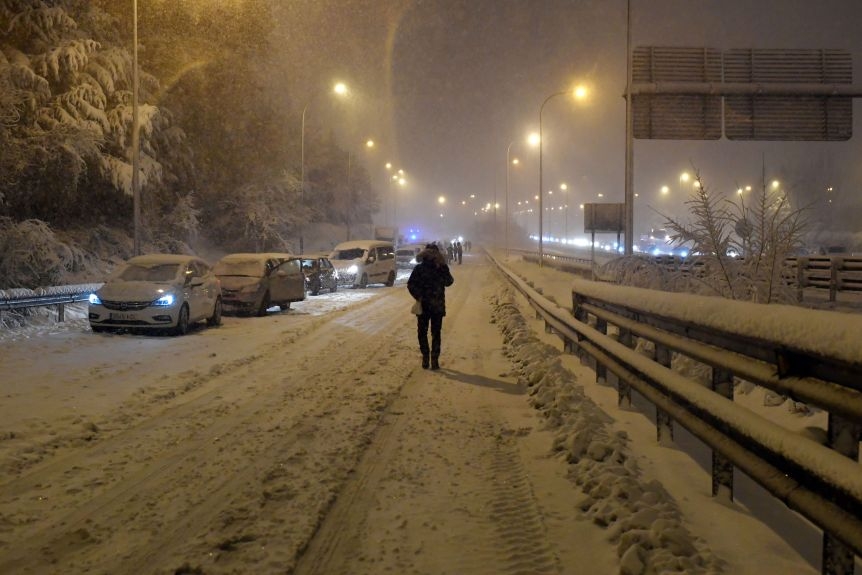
(94, 299)
(353, 269)
(166, 300)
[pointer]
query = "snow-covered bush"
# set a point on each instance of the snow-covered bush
(32, 256)
(740, 249)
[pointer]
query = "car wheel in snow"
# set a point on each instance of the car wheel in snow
(215, 319)
(182, 327)
(264, 305)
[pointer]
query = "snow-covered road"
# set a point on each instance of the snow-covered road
(311, 441)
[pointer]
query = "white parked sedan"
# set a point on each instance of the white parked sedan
(157, 291)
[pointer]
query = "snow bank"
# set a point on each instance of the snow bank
(641, 517)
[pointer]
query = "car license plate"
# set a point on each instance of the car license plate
(123, 316)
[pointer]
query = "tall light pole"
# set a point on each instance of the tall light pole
(136, 132)
(508, 162)
(579, 92)
(341, 89)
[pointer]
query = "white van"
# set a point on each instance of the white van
(363, 262)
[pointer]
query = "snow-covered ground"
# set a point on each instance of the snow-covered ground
(310, 441)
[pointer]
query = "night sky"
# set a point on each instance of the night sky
(444, 86)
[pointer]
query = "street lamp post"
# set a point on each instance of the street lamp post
(541, 181)
(302, 176)
(578, 92)
(340, 89)
(508, 163)
(136, 132)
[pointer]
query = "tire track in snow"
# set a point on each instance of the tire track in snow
(131, 508)
(442, 488)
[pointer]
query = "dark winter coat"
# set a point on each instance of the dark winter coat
(429, 281)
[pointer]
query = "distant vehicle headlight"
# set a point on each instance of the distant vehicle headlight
(94, 299)
(353, 269)
(166, 300)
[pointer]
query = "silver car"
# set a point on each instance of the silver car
(157, 291)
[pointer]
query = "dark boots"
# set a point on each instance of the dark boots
(433, 363)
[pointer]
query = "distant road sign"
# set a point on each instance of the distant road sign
(604, 218)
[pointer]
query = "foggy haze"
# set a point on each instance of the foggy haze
(445, 86)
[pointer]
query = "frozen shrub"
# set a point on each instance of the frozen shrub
(32, 256)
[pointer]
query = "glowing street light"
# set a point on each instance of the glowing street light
(579, 93)
(341, 90)
(665, 190)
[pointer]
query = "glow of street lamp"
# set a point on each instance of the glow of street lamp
(340, 88)
(580, 92)
(534, 139)
(665, 190)
(369, 144)
(388, 165)
(402, 181)
(564, 186)
(775, 184)
(441, 200)
(684, 177)
(515, 161)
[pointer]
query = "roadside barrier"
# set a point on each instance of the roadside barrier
(822, 482)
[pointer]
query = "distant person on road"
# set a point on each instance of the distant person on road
(459, 252)
(427, 284)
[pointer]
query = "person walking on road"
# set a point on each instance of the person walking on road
(427, 285)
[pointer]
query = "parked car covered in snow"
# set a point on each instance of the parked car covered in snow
(363, 262)
(319, 273)
(253, 283)
(405, 256)
(157, 291)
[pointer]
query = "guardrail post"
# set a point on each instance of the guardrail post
(663, 422)
(801, 265)
(835, 265)
(61, 312)
(843, 436)
(722, 468)
(601, 370)
(624, 390)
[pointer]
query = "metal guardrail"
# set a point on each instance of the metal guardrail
(834, 274)
(60, 296)
(821, 482)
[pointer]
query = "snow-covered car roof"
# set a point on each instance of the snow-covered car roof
(363, 244)
(314, 255)
(159, 259)
(257, 256)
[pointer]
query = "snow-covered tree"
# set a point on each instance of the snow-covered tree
(69, 116)
(742, 247)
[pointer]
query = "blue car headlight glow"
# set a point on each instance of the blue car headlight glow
(166, 300)
(94, 299)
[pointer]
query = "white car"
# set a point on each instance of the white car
(157, 291)
(363, 262)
